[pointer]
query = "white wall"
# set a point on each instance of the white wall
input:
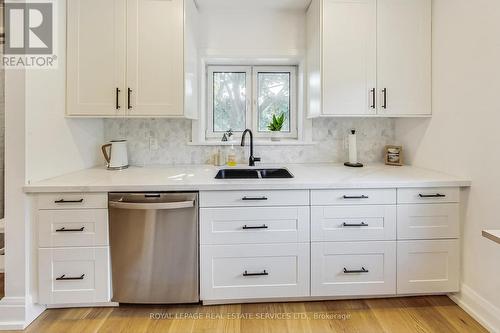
(252, 32)
(463, 137)
(56, 145)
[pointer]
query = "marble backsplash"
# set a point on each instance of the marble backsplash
(173, 136)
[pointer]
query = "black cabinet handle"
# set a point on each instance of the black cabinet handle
(357, 271)
(362, 224)
(63, 229)
(64, 278)
(62, 201)
(356, 197)
(245, 227)
(438, 195)
(254, 198)
(264, 273)
(384, 91)
(118, 91)
(374, 102)
(129, 104)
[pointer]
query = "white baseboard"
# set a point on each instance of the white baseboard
(479, 308)
(16, 313)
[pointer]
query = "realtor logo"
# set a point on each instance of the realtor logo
(29, 34)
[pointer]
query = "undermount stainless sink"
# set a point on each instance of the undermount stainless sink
(253, 174)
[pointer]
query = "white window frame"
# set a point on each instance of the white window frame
(292, 134)
(210, 134)
(251, 112)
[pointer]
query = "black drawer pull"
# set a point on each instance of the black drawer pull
(264, 273)
(246, 227)
(254, 198)
(64, 278)
(356, 197)
(63, 229)
(362, 270)
(438, 195)
(62, 201)
(362, 224)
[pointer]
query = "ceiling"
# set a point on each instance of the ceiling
(253, 4)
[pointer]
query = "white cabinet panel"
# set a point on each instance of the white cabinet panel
(429, 266)
(349, 57)
(72, 200)
(58, 228)
(96, 32)
(429, 195)
(404, 56)
(155, 71)
(254, 271)
(353, 223)
(73, 275)
(353, 197)
(254, 198)
(250, 225)
(356, 268)
(429, 221)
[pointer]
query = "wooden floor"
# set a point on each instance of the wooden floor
(398, 315)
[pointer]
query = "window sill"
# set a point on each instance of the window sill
(283, 142)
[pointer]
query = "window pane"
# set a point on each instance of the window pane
(229, 101)
(274, 99)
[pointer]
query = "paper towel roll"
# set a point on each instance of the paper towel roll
(353, 150)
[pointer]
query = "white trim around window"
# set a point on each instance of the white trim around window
(252, 99)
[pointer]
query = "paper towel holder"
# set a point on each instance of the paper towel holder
(353, 164)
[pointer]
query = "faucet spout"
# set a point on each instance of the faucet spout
(252, 159)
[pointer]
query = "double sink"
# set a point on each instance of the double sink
(281, 173)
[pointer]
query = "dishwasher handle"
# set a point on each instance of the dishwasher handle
(152, 205)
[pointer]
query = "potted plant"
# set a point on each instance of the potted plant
(276, 125)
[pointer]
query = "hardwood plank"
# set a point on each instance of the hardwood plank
(413, 314)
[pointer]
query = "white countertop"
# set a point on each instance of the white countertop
(192, 177)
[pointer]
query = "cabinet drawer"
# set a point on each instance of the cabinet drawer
(353, 197)
(72, 200)
(352, 223)
(254, 225)
(428, 221)
(254, 198)
(430, 266)
(88, 227)
(428, 195)
(254, 271)
(73, 275)
(356, 268)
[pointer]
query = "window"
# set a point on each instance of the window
(241, 97)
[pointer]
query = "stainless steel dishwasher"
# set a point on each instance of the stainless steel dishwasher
(154, 247)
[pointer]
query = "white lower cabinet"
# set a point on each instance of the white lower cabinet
(73, 275)
(428, 221)
(245, 225)
(353, 268)
(254, 271)
(428, 266)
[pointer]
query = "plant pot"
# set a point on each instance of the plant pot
(275, 136)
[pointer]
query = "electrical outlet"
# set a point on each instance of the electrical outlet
(153, 144)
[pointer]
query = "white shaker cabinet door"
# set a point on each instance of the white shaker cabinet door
(155, 72)
(404, 57)
(96, 33)
(428, 266)
(349, 57)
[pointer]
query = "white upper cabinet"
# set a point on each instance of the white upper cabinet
(96, 57)
(404, 57)
(154, 57)
(349, 56)
(369, 58)
(126, 58)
